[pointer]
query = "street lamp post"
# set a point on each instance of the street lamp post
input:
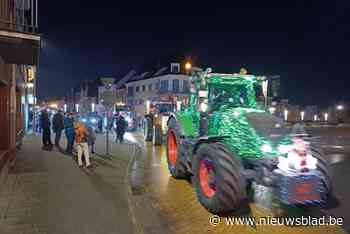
(325, 117)
(286, 115)
(339, 110)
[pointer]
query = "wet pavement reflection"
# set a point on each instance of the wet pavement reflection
(176, 201)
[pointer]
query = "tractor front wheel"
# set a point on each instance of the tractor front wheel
(218, 181)
(177, 167)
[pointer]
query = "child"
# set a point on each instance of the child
(81, 139)
(91, 138)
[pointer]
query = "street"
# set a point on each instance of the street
(48, 193)
(176, 201)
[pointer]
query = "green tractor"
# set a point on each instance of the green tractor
(226, 143)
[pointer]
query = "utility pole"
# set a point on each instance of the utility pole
(108, 101)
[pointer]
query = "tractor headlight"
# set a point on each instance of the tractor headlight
(266, 148)
(203, 107)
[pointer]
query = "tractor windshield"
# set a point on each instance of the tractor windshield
(267, 125)
(164, 107)
(230, 95)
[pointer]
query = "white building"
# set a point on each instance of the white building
(167, 84)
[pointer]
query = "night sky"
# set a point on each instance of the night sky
(306, 43)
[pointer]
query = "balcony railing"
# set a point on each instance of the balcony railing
(19, 15)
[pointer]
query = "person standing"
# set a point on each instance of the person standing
(69, 132)
(81, 138)
(121, 127)
(45, 126)
(57, 127)
(91, 138)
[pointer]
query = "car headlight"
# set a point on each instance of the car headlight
(83, 120)
(266, 148)
(93, 120)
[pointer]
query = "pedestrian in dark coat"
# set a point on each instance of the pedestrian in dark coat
(45, 126)
(121, 127)
(69, 132)
(57, 127)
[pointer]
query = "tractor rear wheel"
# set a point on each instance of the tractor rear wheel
(148, 129)
(176, 165)
(220, 186)
(157, 135)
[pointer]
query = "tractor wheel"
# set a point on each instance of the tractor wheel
(147, 129)
(324, 167)
(157, 135)
(220, 186)
(177, 167)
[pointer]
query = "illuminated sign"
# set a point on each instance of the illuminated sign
(30, 74)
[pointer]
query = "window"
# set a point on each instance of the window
(164, 85)
(130, 103)
(130, 91)
(143, 88)
(175, 68)
(176, 86)
(157, 85)
(137, 89)
(186, 86)
(150, 87)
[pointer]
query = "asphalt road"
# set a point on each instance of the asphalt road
(335, 141)
(176, 202)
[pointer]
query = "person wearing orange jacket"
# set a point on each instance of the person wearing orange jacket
(81, 140)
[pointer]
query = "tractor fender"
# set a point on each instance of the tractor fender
(207, 139)
(173, 116)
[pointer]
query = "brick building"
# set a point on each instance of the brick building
(19, 53)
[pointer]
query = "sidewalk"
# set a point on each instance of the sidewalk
(48, 193)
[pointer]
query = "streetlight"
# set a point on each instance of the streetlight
(77, 108)
(65, 108)
(188, 66)
(92, 107)
(326, 117)
(302, 114)
(339, 110)
(285, 115)
(315, 118)
(340, 107)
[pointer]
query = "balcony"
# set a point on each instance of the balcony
(19, 39)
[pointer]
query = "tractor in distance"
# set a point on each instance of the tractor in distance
(226, 142)
(155, 120)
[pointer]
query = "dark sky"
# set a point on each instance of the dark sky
(305, 42)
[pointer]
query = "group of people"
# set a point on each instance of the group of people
(75, 131)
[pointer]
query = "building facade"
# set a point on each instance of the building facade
(167, 84)
(19, 55)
